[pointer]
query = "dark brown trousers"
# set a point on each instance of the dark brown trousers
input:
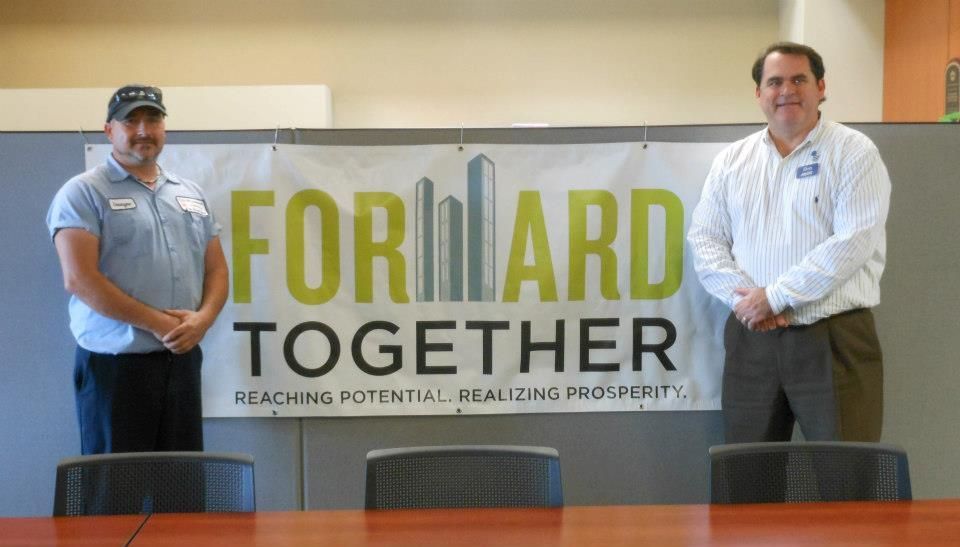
(827, 377)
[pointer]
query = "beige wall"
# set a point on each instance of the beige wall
(849, 35)
(414, 63)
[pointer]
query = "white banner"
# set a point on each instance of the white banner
(392, 280)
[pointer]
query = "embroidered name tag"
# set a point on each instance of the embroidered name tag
(122, 204)
(808, 170)
(192, 205)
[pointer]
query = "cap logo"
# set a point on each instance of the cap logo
(130, 97)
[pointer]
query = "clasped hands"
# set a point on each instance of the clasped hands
(186, 330)
(754, 311)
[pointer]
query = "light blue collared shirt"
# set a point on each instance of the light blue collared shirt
(152, 246)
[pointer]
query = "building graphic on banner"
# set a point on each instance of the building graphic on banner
(450, 226)
(481, 238)
(481, 230)
(424, 239)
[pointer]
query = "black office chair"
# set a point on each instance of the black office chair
(154, 482)
(808, 472)
(463, 476)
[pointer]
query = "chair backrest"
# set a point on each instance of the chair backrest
(463, 476)
(154, 482)
(808, 472)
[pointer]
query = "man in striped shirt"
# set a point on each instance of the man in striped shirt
(789, 233)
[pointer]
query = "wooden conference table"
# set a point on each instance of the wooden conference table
(73, 531)
(926, 523)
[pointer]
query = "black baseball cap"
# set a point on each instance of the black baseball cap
(132, 96)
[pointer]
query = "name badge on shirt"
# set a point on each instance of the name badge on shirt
(808, 170)
(122, 204)
(192, 205)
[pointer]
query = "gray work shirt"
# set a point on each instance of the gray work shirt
(152, 246)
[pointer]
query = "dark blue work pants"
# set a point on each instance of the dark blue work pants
(143, 402)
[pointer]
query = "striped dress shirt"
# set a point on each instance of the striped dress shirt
(808, 227)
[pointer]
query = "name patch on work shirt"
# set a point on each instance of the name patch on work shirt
(192, 205)
(122, 204)
(808, 170)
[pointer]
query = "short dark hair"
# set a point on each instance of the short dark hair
(789, 48)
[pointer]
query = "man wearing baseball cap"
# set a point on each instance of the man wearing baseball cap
(141, 258)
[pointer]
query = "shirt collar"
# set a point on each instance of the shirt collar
(812, 136)
(116, 173)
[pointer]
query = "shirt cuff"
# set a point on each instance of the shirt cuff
(776, 298)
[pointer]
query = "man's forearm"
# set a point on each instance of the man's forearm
(78, 252)
(215, 288)
(108, 300)
(215, 281)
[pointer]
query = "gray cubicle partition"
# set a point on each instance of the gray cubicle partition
(607, 458)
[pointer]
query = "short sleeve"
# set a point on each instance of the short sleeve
(75, 206)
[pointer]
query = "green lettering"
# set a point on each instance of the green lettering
(244, 246)
(329, 247)
(365, 248)
(530, 221)
(580, 246)
(640, 286)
